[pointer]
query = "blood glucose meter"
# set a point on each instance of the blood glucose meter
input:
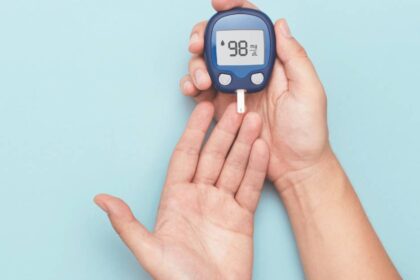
(240, 52)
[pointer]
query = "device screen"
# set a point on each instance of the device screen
(240, 47)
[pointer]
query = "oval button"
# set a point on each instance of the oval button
(257, 79)
(225, 79)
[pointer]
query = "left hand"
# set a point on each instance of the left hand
(204, 228)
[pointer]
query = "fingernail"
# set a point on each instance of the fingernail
(194, 38)
(187, 86)
(102, 206)
(285, 30)
(200, 77)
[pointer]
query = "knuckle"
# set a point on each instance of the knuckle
(301, 52)
(194, 63)
(190, 151)
(216, 154)
(122, 228)
(205, 179)
(185, 147)
(237, 164)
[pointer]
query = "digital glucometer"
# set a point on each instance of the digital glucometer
(240, 52)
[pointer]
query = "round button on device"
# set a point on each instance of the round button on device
(257, 79)
(225, 79)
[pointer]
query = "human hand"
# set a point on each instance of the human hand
(293, 112)
(204, 227)
(292, 107)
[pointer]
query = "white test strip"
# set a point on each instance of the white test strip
(240, 102)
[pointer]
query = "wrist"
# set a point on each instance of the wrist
(324, 180)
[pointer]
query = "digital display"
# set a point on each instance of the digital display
(240, 47)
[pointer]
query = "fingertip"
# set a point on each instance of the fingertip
(282, 27)
(201, 117)
(285, 42)
(287, 45)
(202, 79)
(100, 201)
(299, 69)
(187, 86)
(98, 197)
(113, 206)
(223, 5)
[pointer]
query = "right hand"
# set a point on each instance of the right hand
(292, 107)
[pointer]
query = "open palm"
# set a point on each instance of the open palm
(204, 228)
(292, 107)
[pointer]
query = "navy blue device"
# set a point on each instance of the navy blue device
(240, 50)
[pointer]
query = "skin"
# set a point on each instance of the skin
(334, 236)
(205, 221)
(204, 227)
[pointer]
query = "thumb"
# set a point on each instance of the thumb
(138, 239)
(300, 71)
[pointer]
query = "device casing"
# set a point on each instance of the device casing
(240, 19)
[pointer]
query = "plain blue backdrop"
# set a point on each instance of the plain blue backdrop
(89, 103)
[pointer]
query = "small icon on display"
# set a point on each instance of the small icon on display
(253, 49)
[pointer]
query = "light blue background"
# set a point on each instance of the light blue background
(89, 103)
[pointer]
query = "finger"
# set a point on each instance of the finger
(196, 45)
(185, 157)
(187, 86)
(237, 160)
(217, 147)
(207, 95)
(199, 73)
(251, 186)
(299, 69)
(224, 5)
(138, 239)
(221, 102)
(188, 89)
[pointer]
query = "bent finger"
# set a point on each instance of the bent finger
(199, 74)
(187, 86)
